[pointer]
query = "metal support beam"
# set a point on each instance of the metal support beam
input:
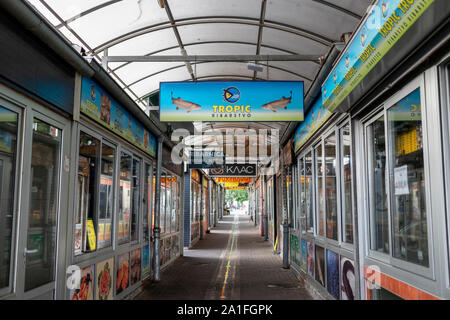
(214, 58)
(157, 229)
(177, 35)
(260, 31)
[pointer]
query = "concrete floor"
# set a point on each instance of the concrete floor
(233, 262)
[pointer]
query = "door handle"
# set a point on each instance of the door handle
(30, 251)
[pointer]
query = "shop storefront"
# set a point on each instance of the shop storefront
(372, 170)
(35, 158)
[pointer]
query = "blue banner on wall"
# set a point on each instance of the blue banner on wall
(316, 116)
(98, 105)
(231, 101)
(387, 22)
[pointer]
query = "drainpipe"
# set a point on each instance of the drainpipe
(266, 216)
(157, 229)
(285, 226)
(201, 208)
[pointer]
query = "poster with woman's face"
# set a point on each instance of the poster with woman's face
(104, 280)
(86, 285)
(135, 266)
(333, 274)
(320, 265)
(347, 279)
(123, 270)
(311, 259)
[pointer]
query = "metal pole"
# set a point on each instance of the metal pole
(285, 221)
(266, 213)
(157, 229)
(201, 208)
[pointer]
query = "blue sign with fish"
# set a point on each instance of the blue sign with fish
(231, 101)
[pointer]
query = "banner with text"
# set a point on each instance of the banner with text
(231, 101)
(387, 22)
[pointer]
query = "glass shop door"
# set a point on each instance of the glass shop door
(42, 197)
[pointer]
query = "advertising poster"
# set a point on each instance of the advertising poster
(104, 280)
(304, 256)
(386, 24)
(85, 292)
(99, 106)
(135, 266)
(311, 259)
(320, 265)
(295, 249)
(145, 261)
(347, 279)
(333, 274)
(316, 116)
(123, 272)
(231, 101)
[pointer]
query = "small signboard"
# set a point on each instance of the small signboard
(207, 159)
(235, 170)
(231, 101)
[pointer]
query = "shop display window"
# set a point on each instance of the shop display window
(124, 212)
(302, 194)
(169, 202)
(320, 198)
(106, 196)
(147, 201)
(346, 180)
(40, 262)
(398, 204)
(309, 195)
(407, 181)
(330, 187)
(135, 198)
(88, 172)
(379, 224)
(162, 210)
(8, 153)
(175, 197)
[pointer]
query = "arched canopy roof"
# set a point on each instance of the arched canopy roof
(203, 27)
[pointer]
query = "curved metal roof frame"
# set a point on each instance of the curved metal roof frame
(212, 42)
(203, 62)
(214, 20)
(320, 39)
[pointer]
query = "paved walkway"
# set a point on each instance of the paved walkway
(232, 262)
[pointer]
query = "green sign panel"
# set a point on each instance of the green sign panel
(387, 23)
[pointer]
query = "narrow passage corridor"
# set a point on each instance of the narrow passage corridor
(234, 263)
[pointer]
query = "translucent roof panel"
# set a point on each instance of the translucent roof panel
(145, 44)
(118, 19)
(182, 9)
(218, 32)
(203, 27)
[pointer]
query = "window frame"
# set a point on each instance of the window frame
(11, 106)
(341, 182)
(389, 259)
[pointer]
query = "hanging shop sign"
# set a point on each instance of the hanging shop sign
(231, 101)
(316, 116)
(234, 179)
(98, 105)
(206, 159)
(235, 170)
(236, 188)
(385, 25)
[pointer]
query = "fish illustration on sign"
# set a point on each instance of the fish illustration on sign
(185, 105)
(278, 104)
(384, 8)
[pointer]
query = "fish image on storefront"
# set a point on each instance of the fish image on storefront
(185, 105)
(278, 104)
